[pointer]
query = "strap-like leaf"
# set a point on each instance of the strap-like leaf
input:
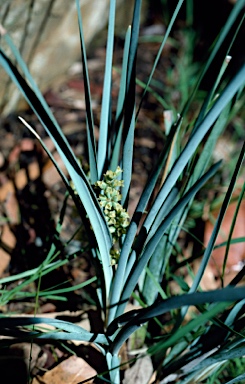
(79, 178)
(195, 140)
(218, 223)
(120, 276)
(227, 27)
(106, 99)
(89, 114)
(143, 259)
(141, 316)
(120, 105)
(74, 331)
(180, 2)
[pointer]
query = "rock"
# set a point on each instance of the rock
(46, 33)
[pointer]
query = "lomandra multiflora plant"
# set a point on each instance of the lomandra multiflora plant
(131, 254)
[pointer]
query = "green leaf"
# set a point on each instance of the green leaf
(218, 223)
(159, 308)
(89, 114)
(238, 379)
(120, 105)
(173, 339)
(195, 140)
(129, 105)
(124, 261)
(75, 332)
(150, 246)
(127, 161)
(78, 176)
(227, 27)
(106, 98)
(232, 228)
(169, 28)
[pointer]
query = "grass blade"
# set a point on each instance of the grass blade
(74, 331)
(218, 223)
(106, 100)
(238, 379)
(121, 275)
(89, 114)
(228, 25)
(127, 161)
(79, 178)
(120, 105)
(129, 115)
(170, 25)
(232, 229)
(143, 259)
(195, 140)
(143, 315)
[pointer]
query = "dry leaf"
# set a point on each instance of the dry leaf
(237, 251)
(140, 373)
(71, 371)
(4, 261)
(25, 350)
(8, 239)
(12, 208)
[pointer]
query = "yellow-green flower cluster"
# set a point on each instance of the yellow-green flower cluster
(109, 199)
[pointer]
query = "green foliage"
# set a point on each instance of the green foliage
(141, 247)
